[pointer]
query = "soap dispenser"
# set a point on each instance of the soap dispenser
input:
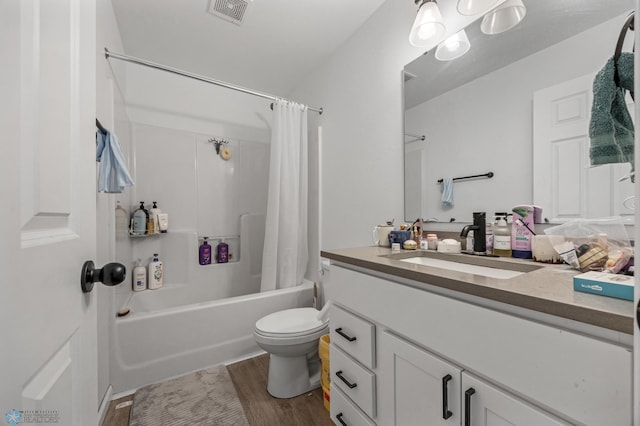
(502, 237)
(139, 225)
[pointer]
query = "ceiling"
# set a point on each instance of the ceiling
(277, 45)
(546, 23)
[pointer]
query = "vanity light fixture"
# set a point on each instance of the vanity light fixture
(473, 7)
(428, 27)
(453, 47)
(504, 17)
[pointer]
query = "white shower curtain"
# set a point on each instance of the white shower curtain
(285, 254)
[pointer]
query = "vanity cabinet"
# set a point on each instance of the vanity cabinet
(428, 355)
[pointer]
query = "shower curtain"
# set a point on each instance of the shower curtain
(285, 254)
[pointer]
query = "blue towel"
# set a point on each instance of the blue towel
(113, 175)
(447, 192)
(611, 127)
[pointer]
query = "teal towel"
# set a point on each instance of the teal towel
(611, 128)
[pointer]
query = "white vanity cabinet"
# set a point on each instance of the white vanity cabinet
(425, 350)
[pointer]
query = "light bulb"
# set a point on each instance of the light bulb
(453, 47)
(428, 27)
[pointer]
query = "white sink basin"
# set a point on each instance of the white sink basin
(485, 271)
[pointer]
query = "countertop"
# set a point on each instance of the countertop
(548, 289)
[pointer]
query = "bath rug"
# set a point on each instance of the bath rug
(204, 398)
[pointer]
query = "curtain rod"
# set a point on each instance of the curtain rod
(127, 58)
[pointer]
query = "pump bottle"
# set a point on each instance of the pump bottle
(502, 238)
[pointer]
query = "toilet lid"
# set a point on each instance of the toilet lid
(291, 322)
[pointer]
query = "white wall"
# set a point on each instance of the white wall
(360, 89)
(111, 113)
(486, 125)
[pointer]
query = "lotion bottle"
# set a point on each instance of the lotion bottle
(156, 273)
(139, 277)
(154, 212)
(122, 220)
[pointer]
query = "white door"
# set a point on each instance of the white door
(564, 184)
(416, 387)
(48, 370)
(485, 405)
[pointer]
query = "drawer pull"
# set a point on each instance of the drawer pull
(349, 338)
(467, 406)
(446, 414)
(346, 382)
(339, 418)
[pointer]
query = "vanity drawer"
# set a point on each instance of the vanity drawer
(344, 412)
(355, 381)
(354, 335)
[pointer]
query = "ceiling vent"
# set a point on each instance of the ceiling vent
(229, 10)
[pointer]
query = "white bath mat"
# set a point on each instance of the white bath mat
(206, 397)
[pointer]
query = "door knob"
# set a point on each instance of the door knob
(110, 274)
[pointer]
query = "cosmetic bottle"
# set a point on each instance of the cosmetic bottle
(205, 253)
(156, 273)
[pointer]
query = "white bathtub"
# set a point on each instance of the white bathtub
(162, 337)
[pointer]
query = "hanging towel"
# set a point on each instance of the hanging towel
(611, 128)
(113, 175)
(447, 192)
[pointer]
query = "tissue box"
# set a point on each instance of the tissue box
(612, 285)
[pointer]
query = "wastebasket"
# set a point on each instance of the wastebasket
(325, 376)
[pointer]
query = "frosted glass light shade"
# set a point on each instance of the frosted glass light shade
(428, 28)
(505, 17)
(453, 47)
(473, 7)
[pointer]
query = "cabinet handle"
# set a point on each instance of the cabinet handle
(467, 406)
(346, 336)
(346, 382)
(339, 418)
(446, 414)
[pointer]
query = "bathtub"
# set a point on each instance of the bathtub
(166, 334)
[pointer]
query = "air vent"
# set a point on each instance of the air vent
(229, 10)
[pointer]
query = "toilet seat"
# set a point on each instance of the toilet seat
(289, 323)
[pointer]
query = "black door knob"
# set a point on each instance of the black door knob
(110, 274)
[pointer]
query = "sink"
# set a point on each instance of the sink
(477, 265)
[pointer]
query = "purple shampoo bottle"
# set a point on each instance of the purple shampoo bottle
(223, 252)
(205, 253)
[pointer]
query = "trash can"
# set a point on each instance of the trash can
(325, 376)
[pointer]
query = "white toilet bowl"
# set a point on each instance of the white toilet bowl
(291, 339)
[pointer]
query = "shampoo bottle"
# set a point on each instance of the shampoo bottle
(205, 253)
(223, 252)
(139, 226)
(139, 277)
(154, 212)
(502, 238)
(156, 273)
(121, 220)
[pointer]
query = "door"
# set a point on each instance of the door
(564, 183)
(416, 387)
(485, 405)
(47, 211)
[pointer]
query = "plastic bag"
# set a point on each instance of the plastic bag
(593, 244)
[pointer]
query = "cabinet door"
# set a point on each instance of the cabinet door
(485, 405)
(415, 387)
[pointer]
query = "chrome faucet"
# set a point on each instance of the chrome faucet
(479, 232)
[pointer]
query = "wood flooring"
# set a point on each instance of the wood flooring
(250, 379)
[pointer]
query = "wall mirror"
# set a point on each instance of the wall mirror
(482, 113)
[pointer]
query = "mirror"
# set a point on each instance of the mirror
(477, 116)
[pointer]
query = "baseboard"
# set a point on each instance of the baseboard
(104, 404)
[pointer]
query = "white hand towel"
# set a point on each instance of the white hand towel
(447, 192)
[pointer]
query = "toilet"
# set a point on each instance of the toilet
(291, 339)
